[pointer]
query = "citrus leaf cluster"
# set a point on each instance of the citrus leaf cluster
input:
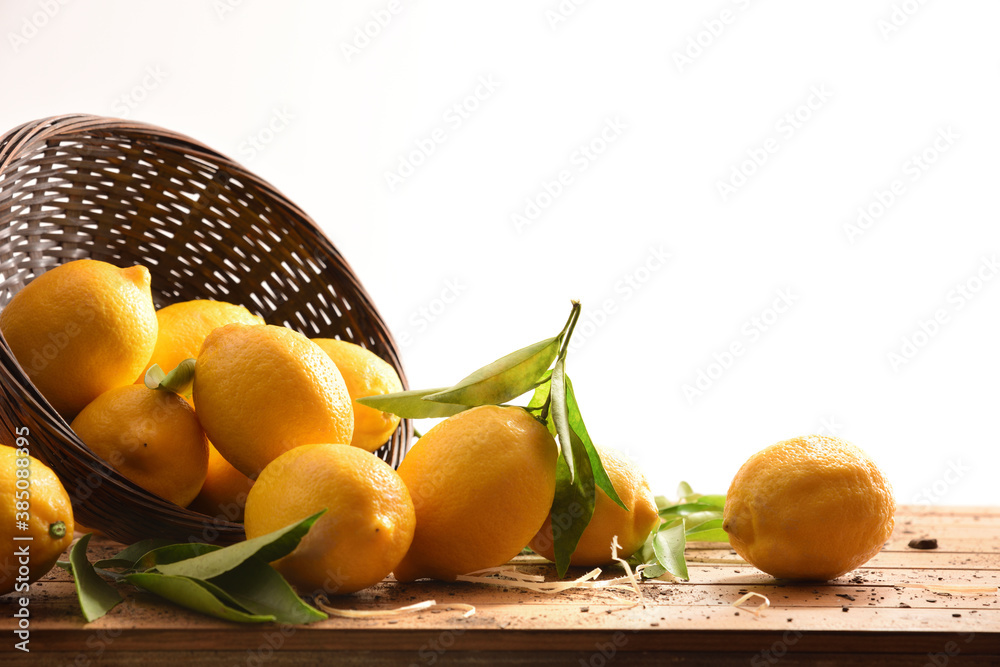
(540, 367)
(234, 583)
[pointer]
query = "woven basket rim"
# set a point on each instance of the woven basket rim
(27, 137)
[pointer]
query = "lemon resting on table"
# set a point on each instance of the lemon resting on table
(362, 536)
(482, 483)
(631, 526)
(46, 519)
(809, 508)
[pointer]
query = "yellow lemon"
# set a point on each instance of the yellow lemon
(367, 527)
(224, 493)
(365, 374)
(182, 328)
(810, 508)
(30, 493)
(482, 483)
(632, 527)
(262, 390)
(81, 329)
(151, 437)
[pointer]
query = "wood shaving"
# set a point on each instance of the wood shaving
(759, 608)
(628, 570)
(323, 603)
(469, 609)
(510, 573)
(512, 578)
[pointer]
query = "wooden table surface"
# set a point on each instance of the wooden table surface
(890, 612)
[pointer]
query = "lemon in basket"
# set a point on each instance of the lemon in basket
(809, 508)
(262, 390)
(81, 329)
(183, 327)
(224, 493)
(151, 437)
(365, 374)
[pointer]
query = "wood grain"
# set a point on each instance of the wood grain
(884, 613)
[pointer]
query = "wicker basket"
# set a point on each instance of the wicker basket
(80, 186)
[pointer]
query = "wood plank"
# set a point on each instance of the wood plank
(143, 610)
(684, 622)
(864, 575)
(910, 559)
(452, 658)
(60, 603)
(985, 522)
(951, 537)
(949, 510)
(950, 529)
(736, 573)
(542, 627)
(959, 545)
(956, 540)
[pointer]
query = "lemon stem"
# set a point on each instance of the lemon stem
(177, 381)
(574, 315)
(566, 334)
(57, 530)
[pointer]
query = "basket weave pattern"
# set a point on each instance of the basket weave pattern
(78, 186)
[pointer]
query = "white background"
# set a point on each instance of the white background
(690, 93)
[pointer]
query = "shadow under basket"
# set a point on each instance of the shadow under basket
(80, 186)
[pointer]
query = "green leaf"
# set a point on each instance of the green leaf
(695, 519)
(686, 509)
(268, 548)
(127, 557)
(172, 553)
(192, 594)
(154, 376)
(539, 399)
(653, 570)
(179, 380)
(576, 423)
(96, 596)
(260, 589)
(716, 501)
(573, 505)
(646, 556)
(410, 404)
(504, 379)
(709, 531)
(558, 411)
(668, 545)
(662, 502)
(223, 596)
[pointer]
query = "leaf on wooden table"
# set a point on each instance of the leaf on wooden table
(96, 596)
(268, 548)
(193, 594)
